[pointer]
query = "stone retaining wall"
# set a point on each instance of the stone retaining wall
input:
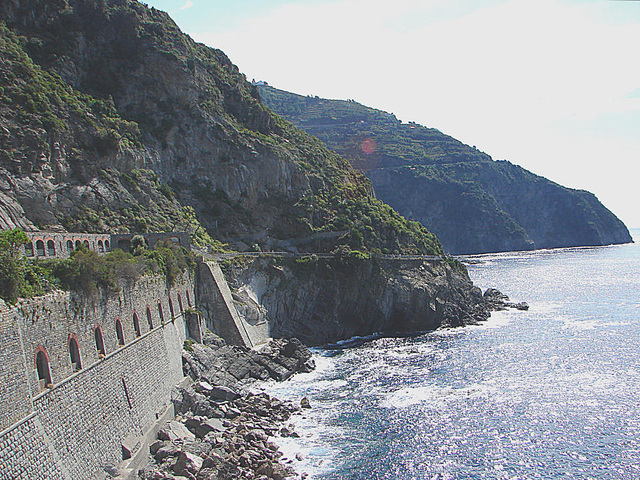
(75, 427)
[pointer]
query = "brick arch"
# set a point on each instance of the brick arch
(149, 318)
(50, 246)
(43, 370)
(171, 312)
(73, 346)
(99, 340)
(136, 324)
(180, 304)
(40, 247)
(119, 333)
(160, 312)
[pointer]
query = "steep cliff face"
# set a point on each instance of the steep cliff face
(471, 202)
(320, 300)
(100, 93)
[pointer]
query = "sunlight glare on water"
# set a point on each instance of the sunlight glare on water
(548, 393)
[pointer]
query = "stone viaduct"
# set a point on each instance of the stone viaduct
(60, 245)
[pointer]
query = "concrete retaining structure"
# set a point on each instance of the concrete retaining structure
(217, 305)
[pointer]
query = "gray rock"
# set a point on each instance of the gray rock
(188, 463)
(169, 450)
(175, 432)
(155, 446)
(223, 393)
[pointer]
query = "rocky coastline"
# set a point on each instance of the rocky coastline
(222, 430)
(325, 300)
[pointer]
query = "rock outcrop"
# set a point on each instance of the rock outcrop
(323, 300)
(227, 365)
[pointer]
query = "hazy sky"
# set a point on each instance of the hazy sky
(551, 85)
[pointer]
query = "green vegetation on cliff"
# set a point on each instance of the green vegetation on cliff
(120, 122)
(471, 202)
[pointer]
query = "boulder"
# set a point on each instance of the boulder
(188, 463)
(223, 393)
(175, 432)
(169, 450)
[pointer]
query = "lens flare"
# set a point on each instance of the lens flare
(368, 146)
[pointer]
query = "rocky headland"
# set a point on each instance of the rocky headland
(322, 300)
(473, 203)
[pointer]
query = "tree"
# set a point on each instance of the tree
(12, 264)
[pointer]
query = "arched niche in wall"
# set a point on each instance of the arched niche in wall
(136, 324)
(180, 304)
(100, 246)
(160, 312)
(28, 249)
(119, 333)
(97, 333)
(171, 307)
(51, 248)
(40, 248)
(107, 247)
(149, 318)
(42, 367)
(69, 246)
(74, 353)
(188, 298)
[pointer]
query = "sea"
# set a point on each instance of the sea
(548, 393)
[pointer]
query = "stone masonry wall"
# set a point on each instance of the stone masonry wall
(74, 428)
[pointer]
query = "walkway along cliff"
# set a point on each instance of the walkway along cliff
(87, 381)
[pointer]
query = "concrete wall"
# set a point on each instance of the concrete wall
(74, 428)
(216, 303)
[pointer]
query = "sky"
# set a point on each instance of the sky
(551, 85)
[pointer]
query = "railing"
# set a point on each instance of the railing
(220, 256)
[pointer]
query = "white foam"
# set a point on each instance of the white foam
(437, 396)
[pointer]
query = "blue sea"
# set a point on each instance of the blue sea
(549, 393)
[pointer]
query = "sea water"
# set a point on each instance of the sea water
(553, 392)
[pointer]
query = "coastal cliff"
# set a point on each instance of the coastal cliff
(471, 202)
(113, 120)
(324, 300)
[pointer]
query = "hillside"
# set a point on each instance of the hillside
(471, 202)
(112, 119)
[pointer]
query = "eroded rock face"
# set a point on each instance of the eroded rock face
(222, 365)
(322, 300)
